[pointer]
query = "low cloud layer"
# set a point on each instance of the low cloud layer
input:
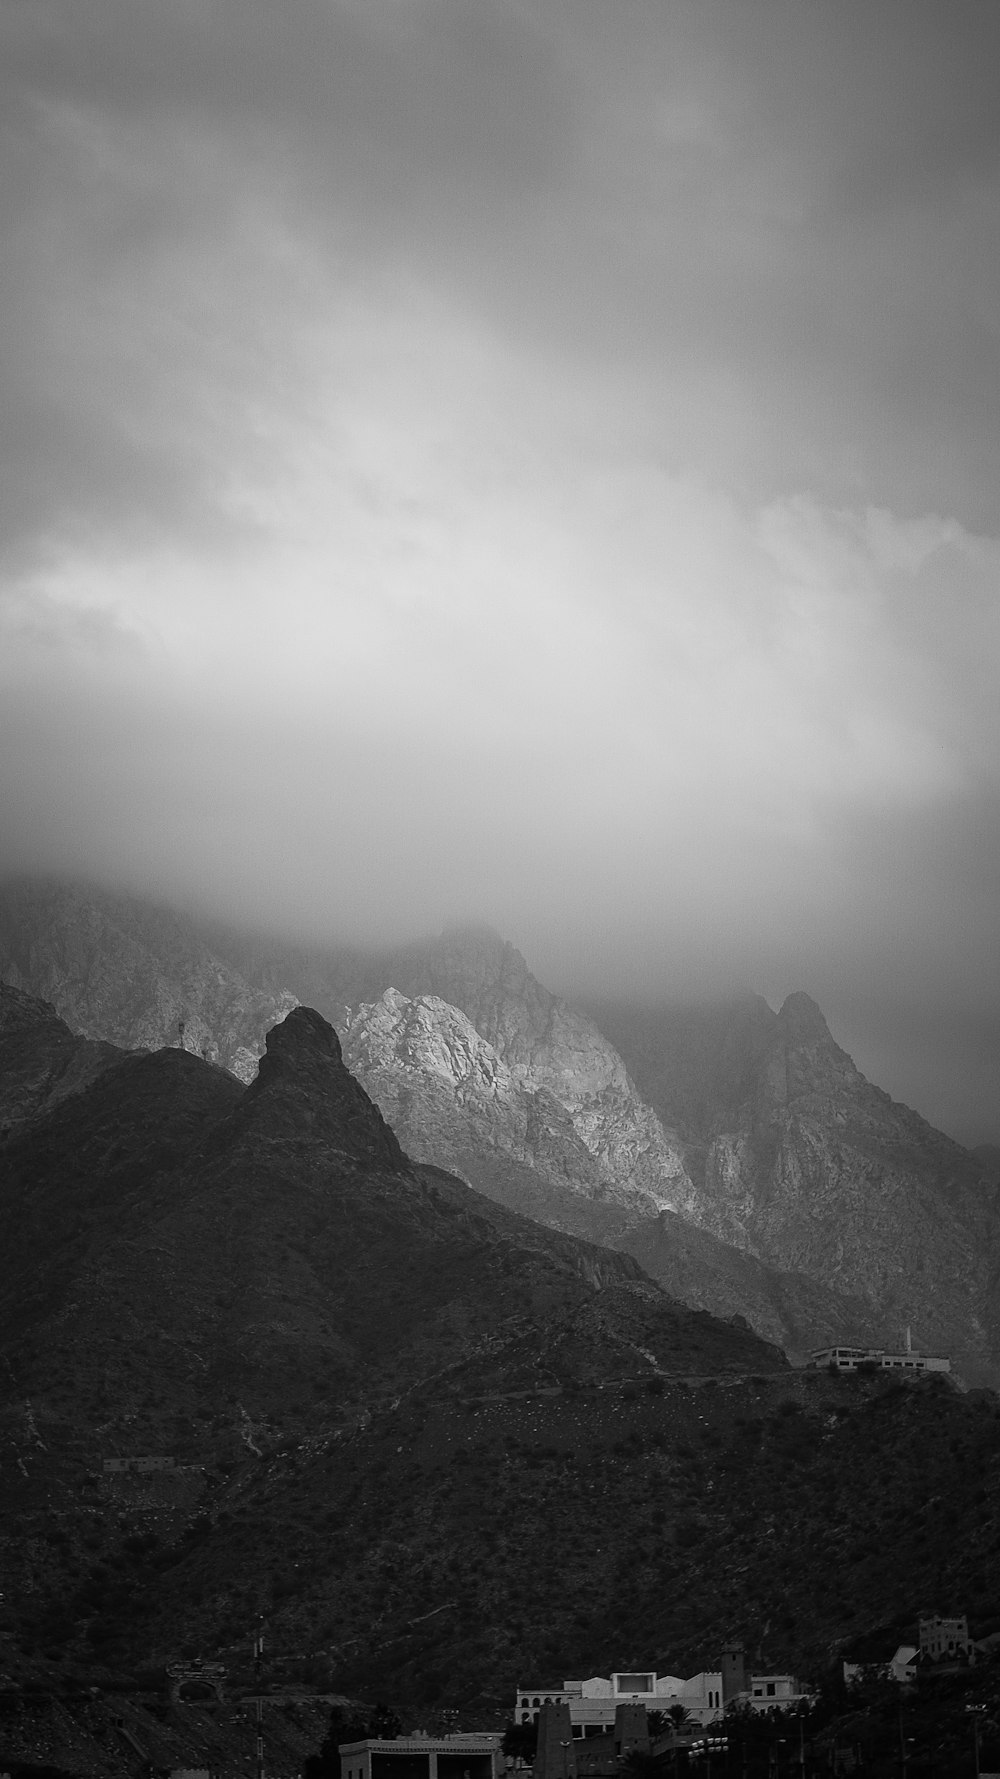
(467, 460)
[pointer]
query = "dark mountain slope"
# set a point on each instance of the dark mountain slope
(797, 1311)
(550, 1536)
(41, 1061)
(442, 1444)
(274, 1240)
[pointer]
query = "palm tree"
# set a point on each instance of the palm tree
(679, 1716)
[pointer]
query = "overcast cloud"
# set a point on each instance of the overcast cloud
(525, 459)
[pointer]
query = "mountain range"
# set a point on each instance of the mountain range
(735, 1151)
(256, 1359)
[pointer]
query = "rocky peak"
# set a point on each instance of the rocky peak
(20, 1012)
(304, 1087)
(803, 1019)
(553, 1096)
(474, 969)
(428, 1035)
(804, 1058)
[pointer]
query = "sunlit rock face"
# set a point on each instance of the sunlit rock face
(554, 1099)
(550, 1046)
(455, 1103)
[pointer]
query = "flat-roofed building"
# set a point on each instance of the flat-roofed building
(593, 1703)
(775, 1692)
(844, 1358)
(473, 1756)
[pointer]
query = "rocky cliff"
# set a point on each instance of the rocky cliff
(804, 1164)
(134, 974)
(41, 1061)
(123, 970)
(457, 1103)
(550, 1050)
(454, 1101)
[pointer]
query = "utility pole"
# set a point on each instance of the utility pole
(258, 1683)
(904, 1747)
(976, 1712)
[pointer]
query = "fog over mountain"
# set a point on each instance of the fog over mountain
(523, 460)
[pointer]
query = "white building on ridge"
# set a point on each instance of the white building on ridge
(850, 1358)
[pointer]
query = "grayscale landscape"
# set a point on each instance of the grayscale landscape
(499, 887)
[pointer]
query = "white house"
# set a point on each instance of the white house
(775, 1692)
(592, 1703)
(844, 1358)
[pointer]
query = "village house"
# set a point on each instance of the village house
(944, 1642)
(775, 1692)
(945, 1646)
(902, 1668)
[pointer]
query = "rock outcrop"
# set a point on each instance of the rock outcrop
(550, 1048)
(122, 970)
(304, 1093)
(805, 1165)
(41, 1061)
(456, 1103)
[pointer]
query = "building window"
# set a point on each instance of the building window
(634, 1683)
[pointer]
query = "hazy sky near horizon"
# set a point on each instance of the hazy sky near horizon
(534, 460)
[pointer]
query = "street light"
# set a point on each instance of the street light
(977, 1713)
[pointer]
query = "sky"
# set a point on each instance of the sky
(523, 460)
